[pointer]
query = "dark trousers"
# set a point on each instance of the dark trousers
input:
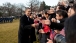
(26, 41)
(42, 38)
(30, 41)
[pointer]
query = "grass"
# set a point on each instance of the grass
(9, 32)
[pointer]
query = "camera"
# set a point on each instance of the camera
(59, 38)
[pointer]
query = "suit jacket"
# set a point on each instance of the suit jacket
(32, 32)
(25, 30)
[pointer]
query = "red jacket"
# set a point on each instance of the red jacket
(46, 28)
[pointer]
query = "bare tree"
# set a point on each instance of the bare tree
(21, 8)
(34, 5)
(8, 9)
(7, 6)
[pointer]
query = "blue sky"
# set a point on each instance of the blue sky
(48, 2)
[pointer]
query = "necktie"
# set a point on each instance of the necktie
(28, 18)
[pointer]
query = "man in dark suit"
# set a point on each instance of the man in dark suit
(26, 27)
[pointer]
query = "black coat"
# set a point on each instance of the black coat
(58, 26)
(26, 30)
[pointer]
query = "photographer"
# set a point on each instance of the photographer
(57, 24)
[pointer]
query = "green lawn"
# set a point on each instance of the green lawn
(9, 32)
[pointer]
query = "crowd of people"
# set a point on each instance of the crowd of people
(54, 25)
(6, 19)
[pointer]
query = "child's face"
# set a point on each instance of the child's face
(58, 17)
